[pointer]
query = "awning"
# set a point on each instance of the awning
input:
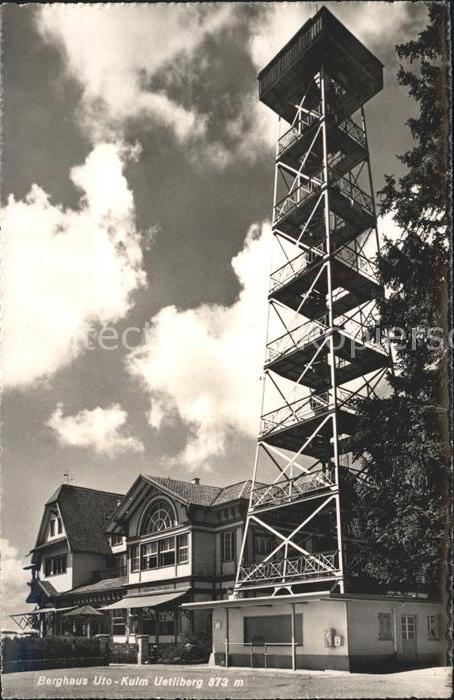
(145, 600)
(40, 610)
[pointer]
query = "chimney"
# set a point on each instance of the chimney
(195, 480)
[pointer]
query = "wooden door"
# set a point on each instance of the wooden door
(408, 632)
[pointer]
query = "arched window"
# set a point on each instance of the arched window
(158, 517)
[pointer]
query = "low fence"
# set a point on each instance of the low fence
(31, 654)
(123, 653)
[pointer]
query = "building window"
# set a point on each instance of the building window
(228, 545)
(158, 517)
(182, 547)
(55, 566)
(167, 551)
(263, 544)
(433, 627)
(150, 555)
(384, 626)
(272, 629)
(135, 558)
(119, 562)
(115, 540)
(119, 621)
(55, 525)
(408, 627)
(167, 623)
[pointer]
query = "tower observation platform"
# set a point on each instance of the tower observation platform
(324, 353)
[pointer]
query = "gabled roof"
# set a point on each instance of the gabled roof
(186, 492)
(233, 492)
(197, 494)
(39, 587)
(203, 494)
(85, 512)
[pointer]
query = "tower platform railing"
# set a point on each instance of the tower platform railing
(292, 489)
(305, 122)
(308, 407)
(347, 254)
(294, 338)
(307, 187)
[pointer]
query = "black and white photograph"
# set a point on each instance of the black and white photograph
(226, 350)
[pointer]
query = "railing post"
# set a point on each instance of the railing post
(265, 656)
(251, 656)
(293, 638)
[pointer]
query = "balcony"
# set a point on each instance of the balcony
(285, 492)
(302, 568)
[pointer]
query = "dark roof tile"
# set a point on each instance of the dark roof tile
(85, 512)
(106, 584)
(203, 494)
(198, 494)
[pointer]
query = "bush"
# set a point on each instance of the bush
(27, 653)
(189, 650)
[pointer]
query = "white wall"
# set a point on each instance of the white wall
(317, 617)
(61, 582)
(363, 627)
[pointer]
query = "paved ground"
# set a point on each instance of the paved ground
(204, 682)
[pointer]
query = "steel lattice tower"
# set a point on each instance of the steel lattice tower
(327, 355)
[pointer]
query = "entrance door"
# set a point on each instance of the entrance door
(408, 630)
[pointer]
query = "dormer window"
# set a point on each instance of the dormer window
(158, 517)
(55, 525)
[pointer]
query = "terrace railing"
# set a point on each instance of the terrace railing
(303, 567)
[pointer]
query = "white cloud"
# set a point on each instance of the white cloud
(388, 228)
(204, 364)
(114, 51)
(65, 269)
(98, 429)
(13, 584)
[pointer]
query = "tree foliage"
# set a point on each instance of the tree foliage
(401, 512)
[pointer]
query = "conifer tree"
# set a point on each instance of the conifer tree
(401, 513)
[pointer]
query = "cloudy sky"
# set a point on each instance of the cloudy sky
(137, 188)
